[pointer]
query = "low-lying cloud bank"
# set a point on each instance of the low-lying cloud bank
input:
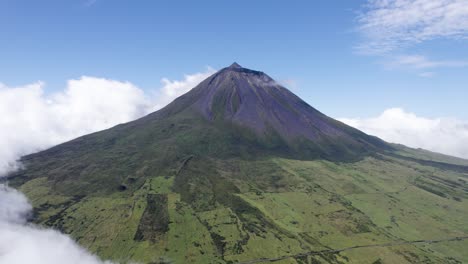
(445, 135)
(23, 243)
(31, 120)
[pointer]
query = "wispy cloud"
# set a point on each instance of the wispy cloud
(426, 74)
(89, 3)
(444, 135)
(289, 83)
(388, 25)
(422, 65)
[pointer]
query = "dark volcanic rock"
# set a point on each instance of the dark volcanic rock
(252, 99)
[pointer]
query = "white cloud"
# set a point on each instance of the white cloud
(289, 83)
(14, 206)
(444, 135)
(89, 3)
(427, 74)
(422, 62)
(32, 120)
(173, 89)
(388, 25)
(21, 243)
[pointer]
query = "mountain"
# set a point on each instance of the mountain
(241, 170)
(252, 100)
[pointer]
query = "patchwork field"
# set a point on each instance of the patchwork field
(378, 210)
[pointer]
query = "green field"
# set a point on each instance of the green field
(248, 210)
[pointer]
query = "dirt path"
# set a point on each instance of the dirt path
(390, 244)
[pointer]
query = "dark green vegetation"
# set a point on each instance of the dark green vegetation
(241, 170)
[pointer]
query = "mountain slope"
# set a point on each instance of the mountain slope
(251, 99)
(240, 169)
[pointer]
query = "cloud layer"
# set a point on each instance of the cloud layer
(444, 135)
(32, 120)
(388, 25)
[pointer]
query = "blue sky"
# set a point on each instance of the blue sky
(315, 44)
(396, 69)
